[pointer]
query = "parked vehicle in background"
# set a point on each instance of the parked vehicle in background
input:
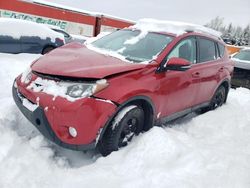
(20, 36)
(72, 20)
(103, 94)
(68, 37)
(241, 76)
(230, 41)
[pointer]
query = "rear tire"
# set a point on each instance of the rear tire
(127, 123)
(218, 100)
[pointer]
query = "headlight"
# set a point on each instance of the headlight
(85, 89)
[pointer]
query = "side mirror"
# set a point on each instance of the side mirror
(177, 64)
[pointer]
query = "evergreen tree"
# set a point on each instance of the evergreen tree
(236, 34)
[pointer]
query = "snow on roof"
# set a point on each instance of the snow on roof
(17, 28)
(178, 28)
(52, 4)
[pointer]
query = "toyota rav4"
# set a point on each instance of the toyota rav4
(103, 93)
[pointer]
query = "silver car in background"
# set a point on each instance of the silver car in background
(241, 77)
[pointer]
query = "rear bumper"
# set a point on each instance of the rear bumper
(42, 121)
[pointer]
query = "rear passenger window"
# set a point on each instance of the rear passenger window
(221, 49)
(207, 50)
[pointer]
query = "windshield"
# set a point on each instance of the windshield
(133, 44)
(243, 55)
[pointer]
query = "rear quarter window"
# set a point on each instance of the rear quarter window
(221, 50)
(207, 50)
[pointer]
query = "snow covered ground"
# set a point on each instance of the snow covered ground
(207, 151)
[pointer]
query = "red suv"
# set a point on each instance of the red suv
(103, 93)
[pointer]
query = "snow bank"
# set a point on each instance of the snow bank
(210, 150)
(174, 27)
(11, 66)
(17, 28)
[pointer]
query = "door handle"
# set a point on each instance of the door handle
(196, 74)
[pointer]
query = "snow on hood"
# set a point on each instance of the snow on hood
(17, 28)
(178, 28)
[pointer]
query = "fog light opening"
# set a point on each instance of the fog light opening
(72, 132)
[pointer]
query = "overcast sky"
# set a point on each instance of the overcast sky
(195, 11)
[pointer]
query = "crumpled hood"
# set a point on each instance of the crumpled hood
(76, 60)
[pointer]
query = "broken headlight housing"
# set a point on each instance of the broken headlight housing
(78, 90)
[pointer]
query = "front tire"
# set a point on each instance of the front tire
(127, 123)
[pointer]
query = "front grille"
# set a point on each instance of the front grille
(46, 76)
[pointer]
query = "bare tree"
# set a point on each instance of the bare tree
(216, 23)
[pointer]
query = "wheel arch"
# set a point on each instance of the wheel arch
(145, 103)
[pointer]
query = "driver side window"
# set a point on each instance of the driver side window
(186, 49)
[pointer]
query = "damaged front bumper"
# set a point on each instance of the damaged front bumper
(52, 120)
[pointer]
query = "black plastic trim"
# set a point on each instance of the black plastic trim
(177, 115)
(139, 97)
